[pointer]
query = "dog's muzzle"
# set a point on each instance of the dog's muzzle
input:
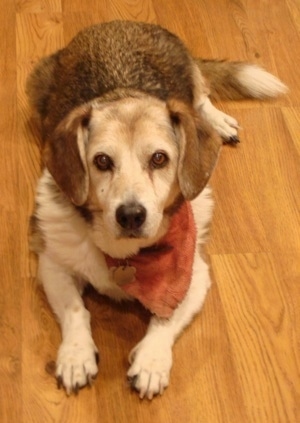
(131, 218)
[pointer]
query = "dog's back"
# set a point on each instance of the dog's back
(110, 56)
(122, 55)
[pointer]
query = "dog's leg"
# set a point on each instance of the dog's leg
(77, 357)
(224, 124)
(151, 359)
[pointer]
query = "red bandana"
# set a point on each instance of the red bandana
(162, 274)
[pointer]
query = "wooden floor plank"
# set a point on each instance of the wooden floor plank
(38, 6)
(259, 312)
(255, 183)
(10, 300)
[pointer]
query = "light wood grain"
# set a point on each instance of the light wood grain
(261, 323)
(262, 201)
(239, 361)
(10, 322)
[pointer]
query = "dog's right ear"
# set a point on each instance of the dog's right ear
(64, 154)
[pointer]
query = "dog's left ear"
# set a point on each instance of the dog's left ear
(199, 146)
(64, 154)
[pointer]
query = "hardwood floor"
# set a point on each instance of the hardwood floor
(239, 360)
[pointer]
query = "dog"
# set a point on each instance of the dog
(130, 139)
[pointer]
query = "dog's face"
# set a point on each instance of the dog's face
(132, 156)
(129, 161)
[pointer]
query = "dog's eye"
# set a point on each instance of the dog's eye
(103, 162)
(159, 159)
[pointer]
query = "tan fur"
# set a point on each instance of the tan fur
(198, 145)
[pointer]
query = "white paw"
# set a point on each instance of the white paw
(151, 362)
(225, 125)
(77, 364)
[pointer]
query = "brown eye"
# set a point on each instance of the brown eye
(103, 162)
(159, 159)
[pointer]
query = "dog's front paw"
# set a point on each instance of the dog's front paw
(151, 362)
(77, 365)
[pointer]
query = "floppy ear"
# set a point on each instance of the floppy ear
(199, 146)
(64, 154)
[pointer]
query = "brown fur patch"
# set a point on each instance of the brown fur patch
(222, 80)
(62, 156)
(199, 148)
(173, 208)
(106, 57)
(86, 214)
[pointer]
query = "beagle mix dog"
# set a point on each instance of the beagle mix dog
(130, 139)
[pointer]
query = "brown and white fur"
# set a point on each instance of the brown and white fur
(127, 121)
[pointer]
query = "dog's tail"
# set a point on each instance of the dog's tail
(237, 80)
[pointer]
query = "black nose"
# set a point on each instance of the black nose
(131, 216)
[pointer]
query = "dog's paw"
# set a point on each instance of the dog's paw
(151, 362)
(226, 126)
(76, 365)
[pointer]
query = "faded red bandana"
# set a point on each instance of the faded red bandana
(159, 276)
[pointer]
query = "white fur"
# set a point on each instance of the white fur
(76, 360)
(225, 125)
(71, 256)
(259, 82)
(69, 243)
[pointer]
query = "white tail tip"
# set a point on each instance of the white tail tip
(260, 83)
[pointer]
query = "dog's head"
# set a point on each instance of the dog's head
(131, 160)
